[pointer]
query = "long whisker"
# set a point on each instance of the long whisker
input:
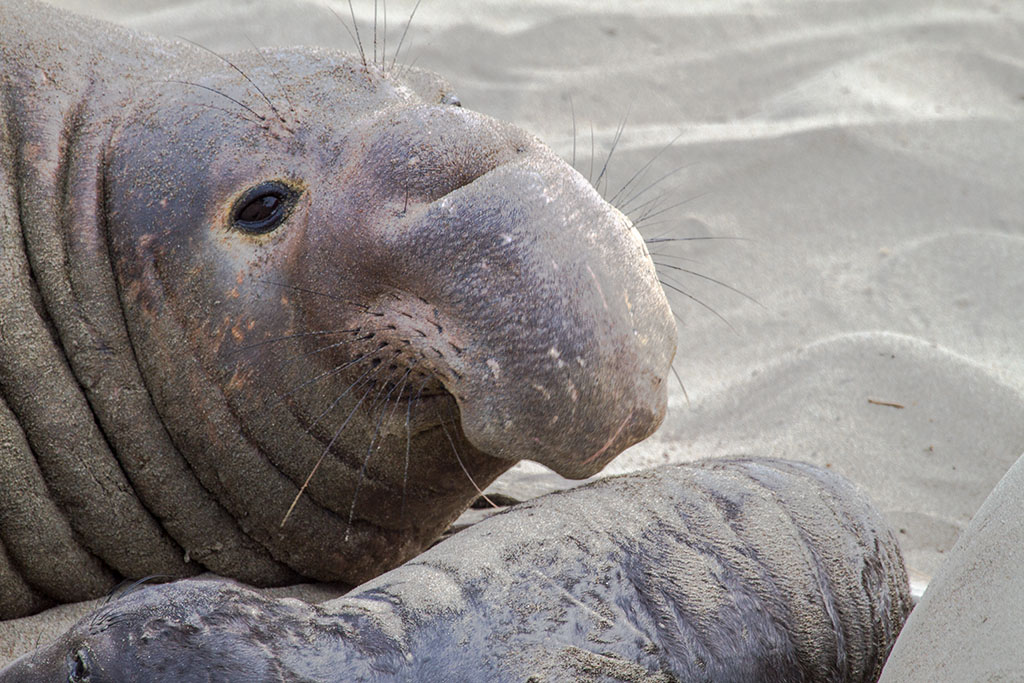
(572, 109)
(698, 301)
(640, 171)
(244, 75)
(404, 32)
(401, 390)
(355, 41)
(407, 68)
(627, 203)
(658, 240)
(374, 32)
(590, 175)
(273, 72)
(333, 371)
(710, 279)
(327, 347)
(408, 441)
(286, 337)
(645, 207)
(355, 26)
(611, 151)
(327, 449)
(401, 384)
(661, 254)
(337, 400)
(653, 214)
(459, 459)
(680, 380)
(384, 37)
(249, 109)
(366, 461)
(225, 110)
(315, 292)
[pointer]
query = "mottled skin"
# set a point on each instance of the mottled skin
(725, 570)
(438, 297)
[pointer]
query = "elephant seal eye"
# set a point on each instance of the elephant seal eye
(79, 667)
(263, 207)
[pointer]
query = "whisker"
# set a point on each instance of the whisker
(590, 175)
(249, 109)
(661, 254)
(401, 390)
(384, 37)
(407, 69)
(244, 75)
(273, 72)
(286, 337)
(657, 240)
(627, 202)
(336, 401)
(640, 171)
(374, 32)
(225, 110)
(572, 109)
(366, 461)
(646, 206)
(122, 590)
(408, 441)
(611, 151)
(458, 458)
(355, 27)
(328, 347)
(662, 178)
(355, 41)
(404, 32)
(698, 301)
(315, 292)
(327, 449)
(333, 371)
(710, 279)
(649, 215)
(680, 380)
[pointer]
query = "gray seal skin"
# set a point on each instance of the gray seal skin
(722, 570)
(220, 276)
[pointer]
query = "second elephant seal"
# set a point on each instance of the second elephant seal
(723, 571)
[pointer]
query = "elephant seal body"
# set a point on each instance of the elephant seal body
(227, 284)
(724, 570)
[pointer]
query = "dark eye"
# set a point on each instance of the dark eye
(262, 208)
(79, 666)
(452, 99)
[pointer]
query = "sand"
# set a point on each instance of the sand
(859, 164)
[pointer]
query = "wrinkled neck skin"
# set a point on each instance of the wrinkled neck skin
(445, 297)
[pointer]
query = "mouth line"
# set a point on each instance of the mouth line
(437, 411)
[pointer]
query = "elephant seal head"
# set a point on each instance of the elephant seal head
(340, 272)
(184, 632)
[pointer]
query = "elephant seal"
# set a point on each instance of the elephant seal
(288, 277)
(722, 570)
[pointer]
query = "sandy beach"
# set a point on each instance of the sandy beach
(856, 168)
